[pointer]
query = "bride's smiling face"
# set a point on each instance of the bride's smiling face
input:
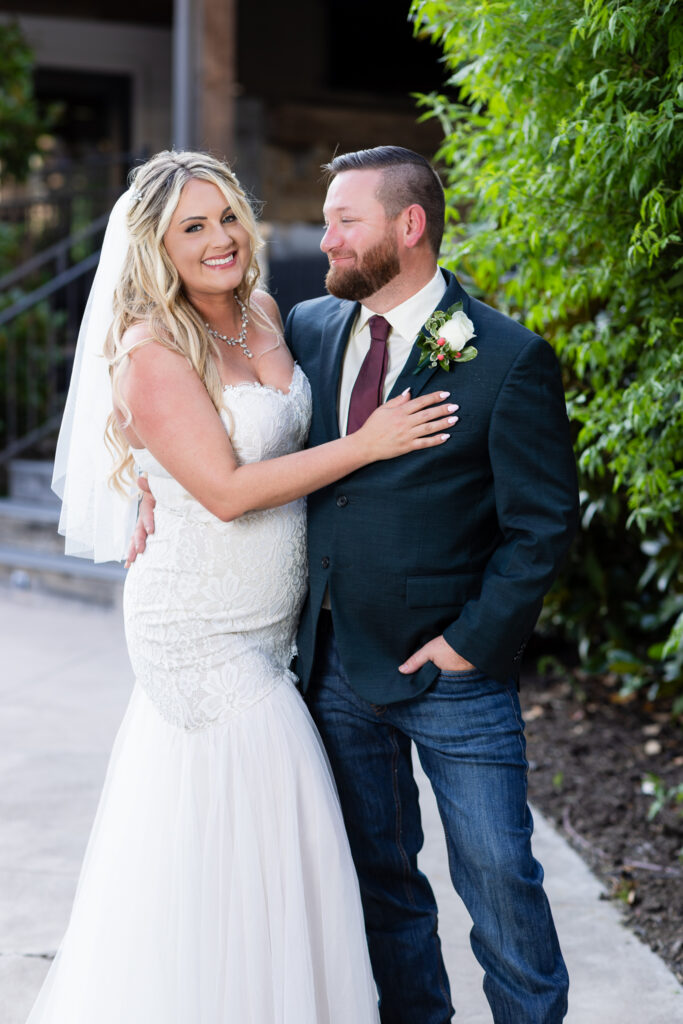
(206, 243)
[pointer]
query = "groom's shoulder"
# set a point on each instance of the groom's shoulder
(505, 340)
(492, 321)
(502, 334)
(315, 309)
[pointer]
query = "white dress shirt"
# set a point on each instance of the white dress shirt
(405, 321)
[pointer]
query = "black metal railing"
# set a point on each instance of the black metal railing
(41, 305)
(63, 196)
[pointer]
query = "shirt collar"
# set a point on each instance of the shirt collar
(408, 318)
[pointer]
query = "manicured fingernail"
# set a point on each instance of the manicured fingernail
(406, 392)
(453, 408)
(453, 419)
(444, 437)
(444, 394)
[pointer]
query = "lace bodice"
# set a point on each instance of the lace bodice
(262, 423)
(211, 608)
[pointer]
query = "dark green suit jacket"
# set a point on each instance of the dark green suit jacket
(463, 539)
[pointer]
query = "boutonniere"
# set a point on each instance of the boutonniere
(444, 339)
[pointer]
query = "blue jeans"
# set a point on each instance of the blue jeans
(469, 736)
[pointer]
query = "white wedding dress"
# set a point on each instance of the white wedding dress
(218, 887)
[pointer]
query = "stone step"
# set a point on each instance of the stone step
(30, 524)
(30, 482)
(44, 572)
(32, 557)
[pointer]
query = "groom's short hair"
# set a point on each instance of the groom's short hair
(407, 178)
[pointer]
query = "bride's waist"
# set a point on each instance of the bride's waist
(252, 566)
(189, 511)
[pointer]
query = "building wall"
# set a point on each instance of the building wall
(296, 87)
(139, 51)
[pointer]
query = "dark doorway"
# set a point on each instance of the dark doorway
(94, 111)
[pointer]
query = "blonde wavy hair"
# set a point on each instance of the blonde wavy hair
(150, 290)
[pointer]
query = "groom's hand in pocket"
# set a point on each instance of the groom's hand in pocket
(144, 524)
(441, 653)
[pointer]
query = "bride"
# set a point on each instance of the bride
(218, 886)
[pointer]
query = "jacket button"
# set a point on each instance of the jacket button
(325, 562)
(342, 500)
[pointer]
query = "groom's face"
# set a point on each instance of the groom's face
(359, 241)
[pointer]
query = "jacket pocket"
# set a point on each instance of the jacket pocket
(441, 591)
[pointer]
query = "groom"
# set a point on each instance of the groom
(427, 574)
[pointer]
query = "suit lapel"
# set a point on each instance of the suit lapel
(407, 378)
(335, 335)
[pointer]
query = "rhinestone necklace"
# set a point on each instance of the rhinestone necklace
(241, 338)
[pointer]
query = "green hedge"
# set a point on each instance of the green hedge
(563, 156)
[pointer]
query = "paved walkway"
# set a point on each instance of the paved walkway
(64, 682)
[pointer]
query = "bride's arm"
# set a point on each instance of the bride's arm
(174, 418)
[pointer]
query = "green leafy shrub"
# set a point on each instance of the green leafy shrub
(27, 344)
(563, 158)
(28, 367)
(21, 121)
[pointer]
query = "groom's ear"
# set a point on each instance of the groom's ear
(413, 224)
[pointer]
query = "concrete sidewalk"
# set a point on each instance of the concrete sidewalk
(64, 683)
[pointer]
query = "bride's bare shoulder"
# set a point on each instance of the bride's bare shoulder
(136, 335)
(266, 305)
(142, 344)
(147, 361)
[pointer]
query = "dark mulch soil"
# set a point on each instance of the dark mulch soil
(589, 753)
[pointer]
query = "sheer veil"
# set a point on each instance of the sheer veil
(95, 520)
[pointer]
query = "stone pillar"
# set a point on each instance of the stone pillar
(217, 76)
(183, 75)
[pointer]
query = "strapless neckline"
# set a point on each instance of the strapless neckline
(298, 377)
(256, 385)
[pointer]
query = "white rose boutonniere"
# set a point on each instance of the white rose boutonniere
(444, 340)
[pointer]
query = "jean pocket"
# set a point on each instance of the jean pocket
(465, 675)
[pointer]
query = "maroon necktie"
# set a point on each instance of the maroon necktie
(368, 390)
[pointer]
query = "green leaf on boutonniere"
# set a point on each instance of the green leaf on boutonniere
(468, 353)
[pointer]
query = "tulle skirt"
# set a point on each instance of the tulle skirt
(218, 886)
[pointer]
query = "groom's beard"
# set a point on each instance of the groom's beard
(377, 267)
